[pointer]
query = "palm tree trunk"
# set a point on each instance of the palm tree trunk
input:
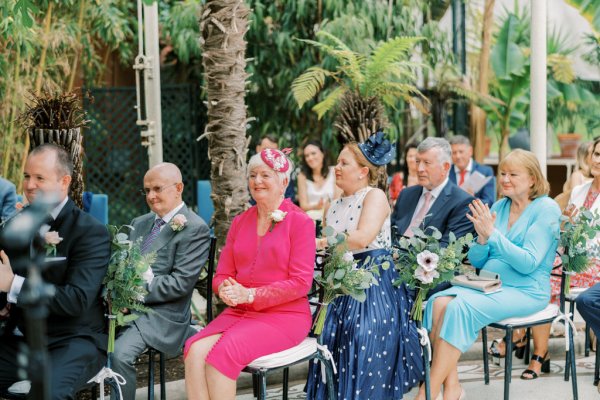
(478, 116)
(223, 25)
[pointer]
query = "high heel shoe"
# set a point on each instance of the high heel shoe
(518, 347)
(545, 367)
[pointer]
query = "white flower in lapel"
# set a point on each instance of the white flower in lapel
(276, 216)
(52, 239)
(178, 222)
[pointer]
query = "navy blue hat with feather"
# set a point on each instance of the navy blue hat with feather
(378, 149)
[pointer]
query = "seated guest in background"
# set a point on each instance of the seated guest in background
(181, 240)
(8, 199)
(588, 305)
(264, 274)
(270, 142)
(581, 173)
(316, 181)
(463, 166)
(375, 336)
(517, 239)
(435, 201)
(408, 176)
(75, 323)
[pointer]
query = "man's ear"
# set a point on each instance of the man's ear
(179, 187)
(66, 181)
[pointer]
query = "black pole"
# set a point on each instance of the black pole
(460, 52)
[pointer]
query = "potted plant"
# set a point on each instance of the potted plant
(58, 118)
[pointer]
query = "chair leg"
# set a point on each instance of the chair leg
(597, 364)
(255, 385)
(527, 347)
(427, 373)
(330, 380)
(573, 366)
(286, 376)
(163, 388)
(486, 366)
(150, 374)
(94, 392)
(587, 340)
(262, 391)
(508, 363)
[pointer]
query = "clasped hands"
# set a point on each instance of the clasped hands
(483, 220)
(233, 293)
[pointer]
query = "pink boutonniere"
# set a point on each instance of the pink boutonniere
(276, 216)
(178, 222)
(52, 239)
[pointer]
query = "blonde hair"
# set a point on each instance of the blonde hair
(582, 153)
(377, 174)
(526, 159)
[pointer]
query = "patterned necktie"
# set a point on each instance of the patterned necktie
(418, 218)
(153, 234)
(462, 177)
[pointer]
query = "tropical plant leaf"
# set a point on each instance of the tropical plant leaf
(387, 53)
(507, 58)
(329, 101)
(309, 84)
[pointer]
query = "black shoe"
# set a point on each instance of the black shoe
(545, 367)
(518, 347)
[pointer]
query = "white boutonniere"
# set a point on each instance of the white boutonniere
(276, 216)
(52, 239)
(178, 222)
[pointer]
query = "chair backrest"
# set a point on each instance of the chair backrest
(205, 204)
(99, 207)
(212, 252)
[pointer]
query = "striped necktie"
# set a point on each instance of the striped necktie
(153, 234)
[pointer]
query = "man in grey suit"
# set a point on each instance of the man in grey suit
(181, 240)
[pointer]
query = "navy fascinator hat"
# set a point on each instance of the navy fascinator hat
(377, 149)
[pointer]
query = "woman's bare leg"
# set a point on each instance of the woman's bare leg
(196, 385)
(219, 386)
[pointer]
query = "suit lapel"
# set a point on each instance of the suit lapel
(166, 234)
(62, 216)
(452, 174)
(437, 205)
(142, 228)
(404, 222)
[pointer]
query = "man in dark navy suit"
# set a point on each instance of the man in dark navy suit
(435, 201)
(463, 166)
(76, 341)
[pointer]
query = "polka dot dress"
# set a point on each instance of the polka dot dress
(374, 344)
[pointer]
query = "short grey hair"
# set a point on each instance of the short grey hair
(257, 161)
(459, 139)
(441, 144)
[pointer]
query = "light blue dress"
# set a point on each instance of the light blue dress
(523, 256)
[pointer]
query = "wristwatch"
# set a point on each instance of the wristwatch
(250, 296)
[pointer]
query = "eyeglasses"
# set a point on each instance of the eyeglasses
(156, 189)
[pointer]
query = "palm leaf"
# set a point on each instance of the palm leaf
(388, 53)
(306, 86)
(329, 101)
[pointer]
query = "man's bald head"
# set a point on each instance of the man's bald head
(163, 185)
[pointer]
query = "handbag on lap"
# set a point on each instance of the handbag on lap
(482, 280)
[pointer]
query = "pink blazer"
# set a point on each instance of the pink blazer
(279, 265)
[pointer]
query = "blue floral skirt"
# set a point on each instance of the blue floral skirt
(375, 344)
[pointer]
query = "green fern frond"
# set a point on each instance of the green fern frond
(329, 101)
(338, 42)
(388, 53)
(306, 86)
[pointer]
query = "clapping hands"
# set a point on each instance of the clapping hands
(233, 293)
(483, 220)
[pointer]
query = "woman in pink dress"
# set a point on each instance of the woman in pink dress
(264, 273)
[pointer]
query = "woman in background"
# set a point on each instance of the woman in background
(581, 174)
(316, 181)
(408, 177)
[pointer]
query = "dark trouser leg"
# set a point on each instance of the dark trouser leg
(9, 349)
(588, 305)
(73, 362)
(128, 346)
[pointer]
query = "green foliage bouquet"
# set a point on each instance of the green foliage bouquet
(124, 281)
(578, 242)
(423, 263)
(341, 275)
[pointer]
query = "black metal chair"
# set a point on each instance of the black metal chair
(546, 316)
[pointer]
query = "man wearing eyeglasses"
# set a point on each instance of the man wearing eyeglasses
(180, 240)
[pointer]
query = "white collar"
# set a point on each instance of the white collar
(469, 168)
(435, 192)
(171, 213)
(59, 208)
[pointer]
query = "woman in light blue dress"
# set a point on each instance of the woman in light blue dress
(517, 239)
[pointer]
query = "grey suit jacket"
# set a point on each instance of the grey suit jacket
(8, 199)
(179, 260)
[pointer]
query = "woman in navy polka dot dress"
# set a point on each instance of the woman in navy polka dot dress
(374, 344)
